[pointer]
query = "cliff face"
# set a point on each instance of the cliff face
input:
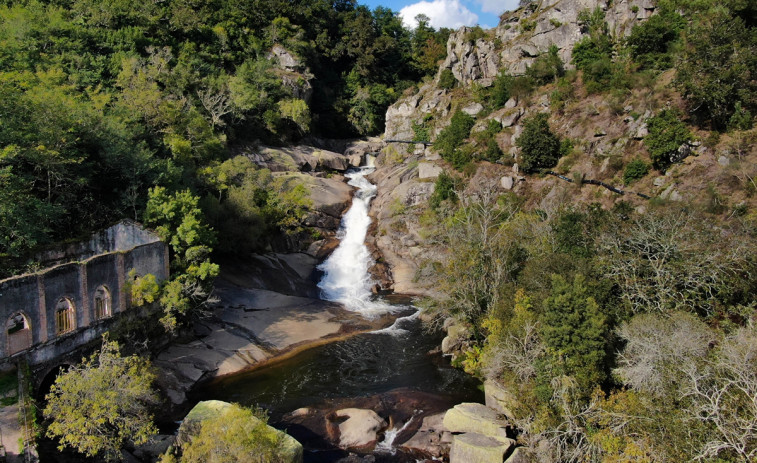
(521, 37)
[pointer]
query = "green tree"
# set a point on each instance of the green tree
(539, 146)
(667, 132)
(102, 404)
(717, 67)
(547, 67)
(450, 139)
(574, 331)
(650, 41)
(635, 170)
(178, 220)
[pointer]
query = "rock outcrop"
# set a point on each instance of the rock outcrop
(479, 434)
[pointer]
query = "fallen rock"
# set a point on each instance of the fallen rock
(507, 183)
(432, 438)
(473, 109)
(478, 448)
(476, 418)
(360, 429)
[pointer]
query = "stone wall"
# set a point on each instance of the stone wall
(126, 246)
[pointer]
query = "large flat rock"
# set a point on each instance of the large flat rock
(475, 418)
(478, 448)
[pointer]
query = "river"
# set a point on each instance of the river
(386, 368)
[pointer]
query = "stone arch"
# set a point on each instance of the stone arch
(65, 316)
(18, 328)
(103, 303)
(49, 379)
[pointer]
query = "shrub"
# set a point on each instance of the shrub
(539, 147)
(447, 80)
(635, 170)
(741, 118)
(650, 41)
(500, 90)
(547, 67)
(666, 134)
(450, 139)
(444, 189)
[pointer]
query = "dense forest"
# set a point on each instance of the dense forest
(102, 100)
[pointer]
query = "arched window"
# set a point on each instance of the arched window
(19, 333)
(102, 303)
(65, 316)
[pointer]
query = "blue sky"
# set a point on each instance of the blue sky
(448, 13)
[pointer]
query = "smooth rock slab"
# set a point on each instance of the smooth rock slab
(476, 418)
(428, 170)
(360, 429)
(477, 448)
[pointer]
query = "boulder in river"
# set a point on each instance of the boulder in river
(359, 428)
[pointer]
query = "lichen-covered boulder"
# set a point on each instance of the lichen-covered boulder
(478, 448)
(476, 418)
(500, 399)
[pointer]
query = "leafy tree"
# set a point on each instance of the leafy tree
(539, 146)
(450, 139)
(178, 220)
(650, 41)
(667, 132)
(574, 331)
(102, 404)
(717, 67)
(547, 67)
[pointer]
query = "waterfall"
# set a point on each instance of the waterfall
(346, 279)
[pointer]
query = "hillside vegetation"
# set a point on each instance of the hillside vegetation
(624, 327)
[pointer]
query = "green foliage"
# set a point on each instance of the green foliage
(447, 80)
(635, 170)
(444, 189)
(103, 403)
(650, 42)
(539, 146)
(667, 132)
(717, 64)
(741, 119)
(178, 220)
(547, 68)
(238, 434)
(449, 140)
(574, 331)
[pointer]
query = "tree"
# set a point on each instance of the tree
(667, 132)
(449, 140)
(539, 146)
(574, 331)
(179, 221)
(102, 404)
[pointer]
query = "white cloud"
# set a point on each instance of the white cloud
(442, 13)
(497, 6)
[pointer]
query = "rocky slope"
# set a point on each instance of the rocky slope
(607, 131)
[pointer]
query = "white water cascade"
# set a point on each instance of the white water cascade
(346, 279)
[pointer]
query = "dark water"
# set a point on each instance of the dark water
(363, 365)
(375, 368)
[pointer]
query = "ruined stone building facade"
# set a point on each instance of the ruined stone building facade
(68, 303)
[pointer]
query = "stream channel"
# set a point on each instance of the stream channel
(398, 371)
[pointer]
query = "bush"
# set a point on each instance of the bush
(547, 67)
(450, 139)
(539, 147)
(635, 170)
(447, 80)
(444, 189)
(666, 134)
(650, 41)
(741, 118)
